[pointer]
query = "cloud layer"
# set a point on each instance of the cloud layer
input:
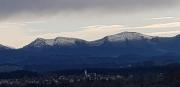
(9, 8)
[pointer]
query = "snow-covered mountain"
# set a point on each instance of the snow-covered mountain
(128, 36)
(65, 42)
(59, 41)
(121, 38)
(2, 47)
(113, 45)
(110, 51)
(122, 43)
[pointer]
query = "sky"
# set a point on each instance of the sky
(22, 21)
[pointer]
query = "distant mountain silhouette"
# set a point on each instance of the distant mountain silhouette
(112, 51)
(120, 44)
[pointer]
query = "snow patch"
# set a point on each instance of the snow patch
(128, 36)
(60, 41)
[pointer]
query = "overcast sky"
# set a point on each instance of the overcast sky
(22, 21)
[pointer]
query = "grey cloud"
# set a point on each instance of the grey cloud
(9, 8)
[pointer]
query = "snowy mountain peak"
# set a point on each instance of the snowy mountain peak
(38, 42)
(59, 41)
(65, 41)
(128, 36)
(2, 47)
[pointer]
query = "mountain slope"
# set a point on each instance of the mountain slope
(131, 36)
(114, 45)
(2, 47)
(59, 41)
(109, 52)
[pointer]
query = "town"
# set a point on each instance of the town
(88, 79)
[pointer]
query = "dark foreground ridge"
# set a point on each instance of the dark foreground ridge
(155, 76)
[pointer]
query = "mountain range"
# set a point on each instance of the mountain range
(112, 51)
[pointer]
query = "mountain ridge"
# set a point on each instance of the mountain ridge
(112, 38)
(123, 36)
(3, 47)
(109, 52)
(113, 45)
